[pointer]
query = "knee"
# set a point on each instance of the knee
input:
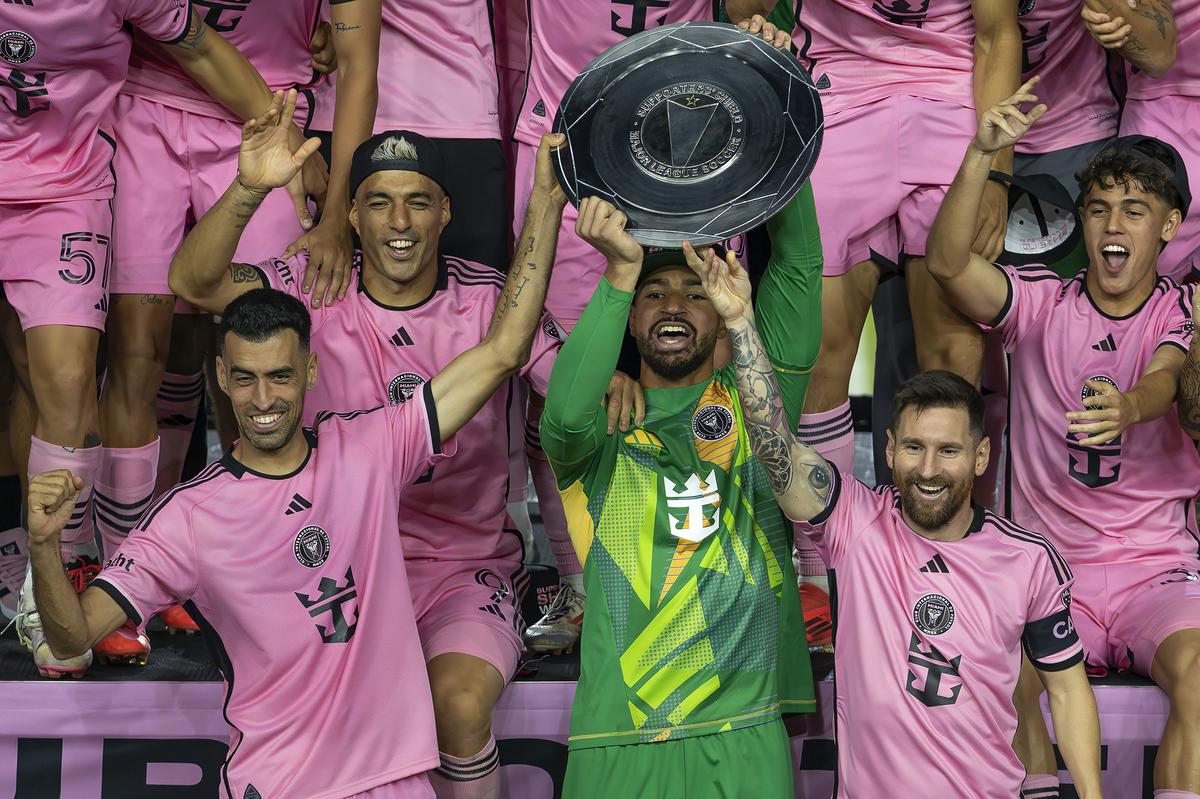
(462, 712)
(70, 382)
(1185, 686)
(960, 353)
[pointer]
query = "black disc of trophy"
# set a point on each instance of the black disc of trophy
(697, 131)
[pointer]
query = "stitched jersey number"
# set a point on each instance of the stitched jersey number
(223, 15)
(73, 253)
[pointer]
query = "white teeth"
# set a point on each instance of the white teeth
(269, 418)
(1116, 249)
(400, 244)
(929, 489)
(672, 329)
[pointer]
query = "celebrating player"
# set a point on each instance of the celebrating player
(64, 62)
(318, 578)
(693, 642)
(411, 311)
(1096, 459)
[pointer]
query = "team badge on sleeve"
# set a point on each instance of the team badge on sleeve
(17, 47)
(311, 547)
(933, 614)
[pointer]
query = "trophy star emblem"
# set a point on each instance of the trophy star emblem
(687, 122)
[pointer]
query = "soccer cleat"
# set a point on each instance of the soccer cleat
(13, 560)
(818, 619)
(125, 646)
(178, 621)
(559, 629)
(33, 638)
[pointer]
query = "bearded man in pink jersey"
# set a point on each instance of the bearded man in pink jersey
(1096, 457)
(935, 596)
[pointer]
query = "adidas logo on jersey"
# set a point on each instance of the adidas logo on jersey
(401, 338)
(935, 566)
(297, 504)
(1107, 344)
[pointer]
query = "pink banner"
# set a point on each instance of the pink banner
(162, 740)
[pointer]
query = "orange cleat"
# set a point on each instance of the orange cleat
(125, 646)
(178, 621)
(818, 619)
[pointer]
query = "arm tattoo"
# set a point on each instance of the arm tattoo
(342, 27)
(196, 32)
(1157, 13)
(244, 273)
(1189, 393)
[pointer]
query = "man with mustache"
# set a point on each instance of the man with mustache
(693, 643)
(1096, 459)
(935, 596)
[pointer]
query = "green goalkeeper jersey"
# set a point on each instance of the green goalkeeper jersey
(693, 622)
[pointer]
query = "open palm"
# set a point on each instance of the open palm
(726, 282)
(266, 160)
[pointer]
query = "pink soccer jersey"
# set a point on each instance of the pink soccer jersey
(274, 36)
(61, 64)
(437, 71)
(299, 582)
(861, 51)
(1099, 504)
(369, 353)
(1057, 46)
(566, 35)
(927, 645)
(1182, 79)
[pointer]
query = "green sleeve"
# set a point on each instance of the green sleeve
(788, 306)
(574, 423)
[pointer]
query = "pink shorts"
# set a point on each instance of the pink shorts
(470, 607)
(415, 787)
(1168, 118)
(578, 266)
(883, 171)
(1123, 617)
(171, 167)
(54, 261)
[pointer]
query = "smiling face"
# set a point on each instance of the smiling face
(1124, 229)
(266, 381)
(399, 216)
(934, 459)
(674, 324)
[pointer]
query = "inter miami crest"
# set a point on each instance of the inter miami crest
(1088, 392)
(17, 47)
(712, 423)
(402, 387)
(311, 547)
(933, 614)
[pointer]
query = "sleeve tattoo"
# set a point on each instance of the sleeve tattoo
(1189, 393)
(244, 273)
(771, 438)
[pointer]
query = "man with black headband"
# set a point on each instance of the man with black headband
(410, 313)
(1097, 458)
(693, 641)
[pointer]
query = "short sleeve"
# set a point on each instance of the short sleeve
(547, 341)
(851, 507)
(416, 438)
(1032, 293)
(163, 20)
(155, 567)
(1050, 639)
(283, 275)
(1176, 326)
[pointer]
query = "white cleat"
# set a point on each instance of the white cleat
(559, 629)
(33, 638)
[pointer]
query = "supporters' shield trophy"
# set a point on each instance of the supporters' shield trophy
(697, 131)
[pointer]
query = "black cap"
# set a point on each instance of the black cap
(1043, 225)
(397, 150)
(1142, 148)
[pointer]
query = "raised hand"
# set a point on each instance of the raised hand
(544, 178)
(267, 159)
(768, 32)
(51, 502)
(601, 225)
(1004, 124)
(725, 281)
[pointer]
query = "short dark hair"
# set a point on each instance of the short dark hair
(259, 314)
(1147, 165)
(938, 388)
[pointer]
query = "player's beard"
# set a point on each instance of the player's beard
(276, 439)
(676, 365)
(931, 514)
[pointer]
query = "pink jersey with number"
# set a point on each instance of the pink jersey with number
(871, 50)
(1182, 79)
(273, 35)
(927, 645)
(567, 34)
(1108, 503)
(299, 582)
(368, 353)
(1056, 45)
(437, 71)
(61, 64)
